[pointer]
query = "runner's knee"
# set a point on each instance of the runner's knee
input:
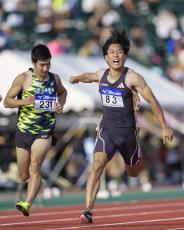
(23, 177)
(98, 167)
(34, 168)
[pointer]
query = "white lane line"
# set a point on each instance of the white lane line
(116, 224)
(175, 229)
(97, 217)
(38, 222)
(123, 208)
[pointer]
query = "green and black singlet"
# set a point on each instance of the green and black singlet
(38, 118)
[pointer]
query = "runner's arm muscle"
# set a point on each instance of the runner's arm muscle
(137, 81)
(11, 100)
(87, 77)
(61, 91)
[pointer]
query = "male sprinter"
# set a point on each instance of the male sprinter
(117, 129)
(38, 94)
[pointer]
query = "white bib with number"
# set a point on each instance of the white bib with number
(111, 97)
(45, 102)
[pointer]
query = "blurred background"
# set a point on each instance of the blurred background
(75, 31)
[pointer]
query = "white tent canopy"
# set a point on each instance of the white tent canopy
(85, 96)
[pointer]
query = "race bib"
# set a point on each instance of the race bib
(111, 97)
(45, 102)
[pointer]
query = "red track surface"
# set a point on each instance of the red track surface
(140, 215)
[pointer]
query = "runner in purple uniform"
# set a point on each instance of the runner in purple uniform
(117, 129)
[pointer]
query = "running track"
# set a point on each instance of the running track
(140, 215)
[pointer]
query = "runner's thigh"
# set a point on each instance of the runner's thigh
(40, 148)
(104, 143)
(129, 147)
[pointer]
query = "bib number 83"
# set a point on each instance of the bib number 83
(108, 99)
(112, 101)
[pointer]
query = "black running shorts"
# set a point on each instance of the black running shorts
(123, 140)
(25, 140)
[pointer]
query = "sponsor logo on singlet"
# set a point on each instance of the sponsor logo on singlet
(121, 86)
(103, 84)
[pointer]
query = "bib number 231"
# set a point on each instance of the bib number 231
(45, 102)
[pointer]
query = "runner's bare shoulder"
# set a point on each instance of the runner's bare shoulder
(100, 73)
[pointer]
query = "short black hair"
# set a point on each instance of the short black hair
(40, 52)
(117, 37)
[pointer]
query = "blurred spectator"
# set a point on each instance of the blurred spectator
(140, 50)
(60, 45)
(43, 18)
(63, 7)
(165, 22)
(1, 13)
(90, 48)
(175, 72)
(129, 5)
(6, 33)
(156, 27)
(95, 20)
(173, 167)
(89, 6)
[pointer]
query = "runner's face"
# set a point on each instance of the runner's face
(41, 68)
(115, 56)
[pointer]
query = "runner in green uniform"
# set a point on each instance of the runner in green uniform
(38, 94)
